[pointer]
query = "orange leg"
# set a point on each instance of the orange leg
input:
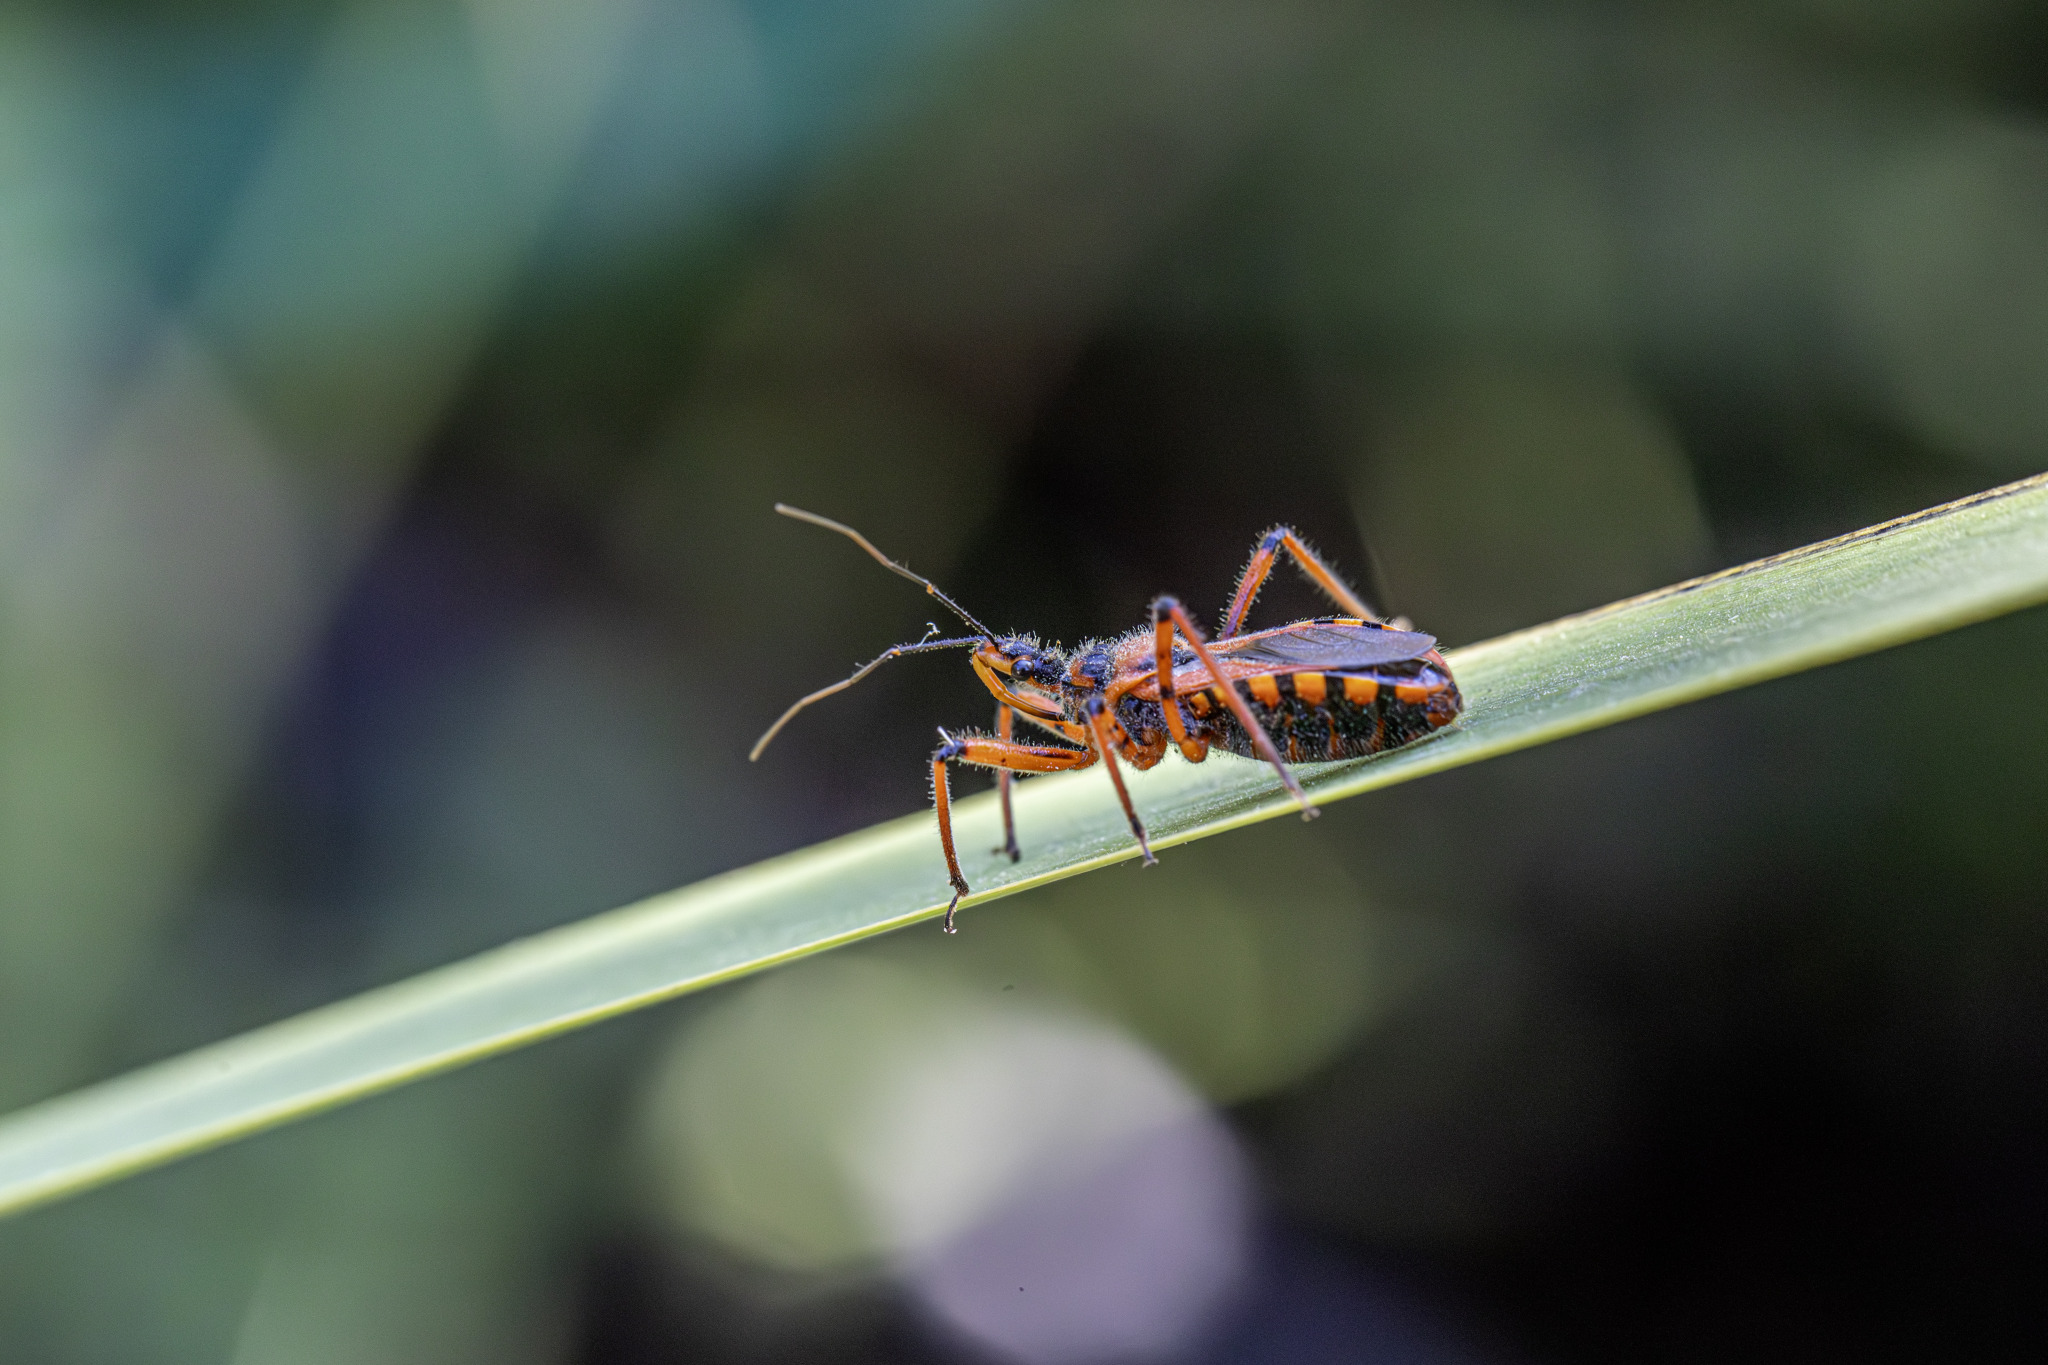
(1192, 749)
(1169, 608)
(1004, 732)
(988, 753)
(1099, 724)
(1254, 578)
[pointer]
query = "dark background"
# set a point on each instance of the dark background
(392, 397)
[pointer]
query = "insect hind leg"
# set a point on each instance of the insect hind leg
(1254, 577)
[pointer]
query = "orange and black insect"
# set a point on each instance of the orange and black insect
(1325, 688)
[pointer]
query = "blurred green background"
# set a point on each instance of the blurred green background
(392, 396)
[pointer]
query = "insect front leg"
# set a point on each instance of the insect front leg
(1005, 756)
(1004, 732)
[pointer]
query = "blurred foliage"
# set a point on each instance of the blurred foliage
(1918, 575)
(389, 396)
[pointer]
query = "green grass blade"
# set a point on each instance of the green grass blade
(1914, 577)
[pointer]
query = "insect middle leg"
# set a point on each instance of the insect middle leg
(1168, 609)
(1102, 731)
(1254, 578)
(1192, 749)
(1007, 757)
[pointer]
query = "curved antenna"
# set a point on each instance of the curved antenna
(891, 565)
(924, 646)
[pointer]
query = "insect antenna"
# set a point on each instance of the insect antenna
(924, 646)
(891, 565)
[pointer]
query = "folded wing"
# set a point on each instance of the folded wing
(1324, 645)
(1311, 645)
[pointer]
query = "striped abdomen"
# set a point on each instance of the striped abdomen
(1315, 716)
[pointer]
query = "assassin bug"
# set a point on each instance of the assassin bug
(1325, 688)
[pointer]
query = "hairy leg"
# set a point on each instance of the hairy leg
(1099, 724)
(1254, 577)
(1169, 608)
(1001, 754)
(1004, 732)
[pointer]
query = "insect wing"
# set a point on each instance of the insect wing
(1326, 646)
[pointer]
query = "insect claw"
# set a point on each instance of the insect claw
(950, 906)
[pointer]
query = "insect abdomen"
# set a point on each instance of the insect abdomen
(1317, 716)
